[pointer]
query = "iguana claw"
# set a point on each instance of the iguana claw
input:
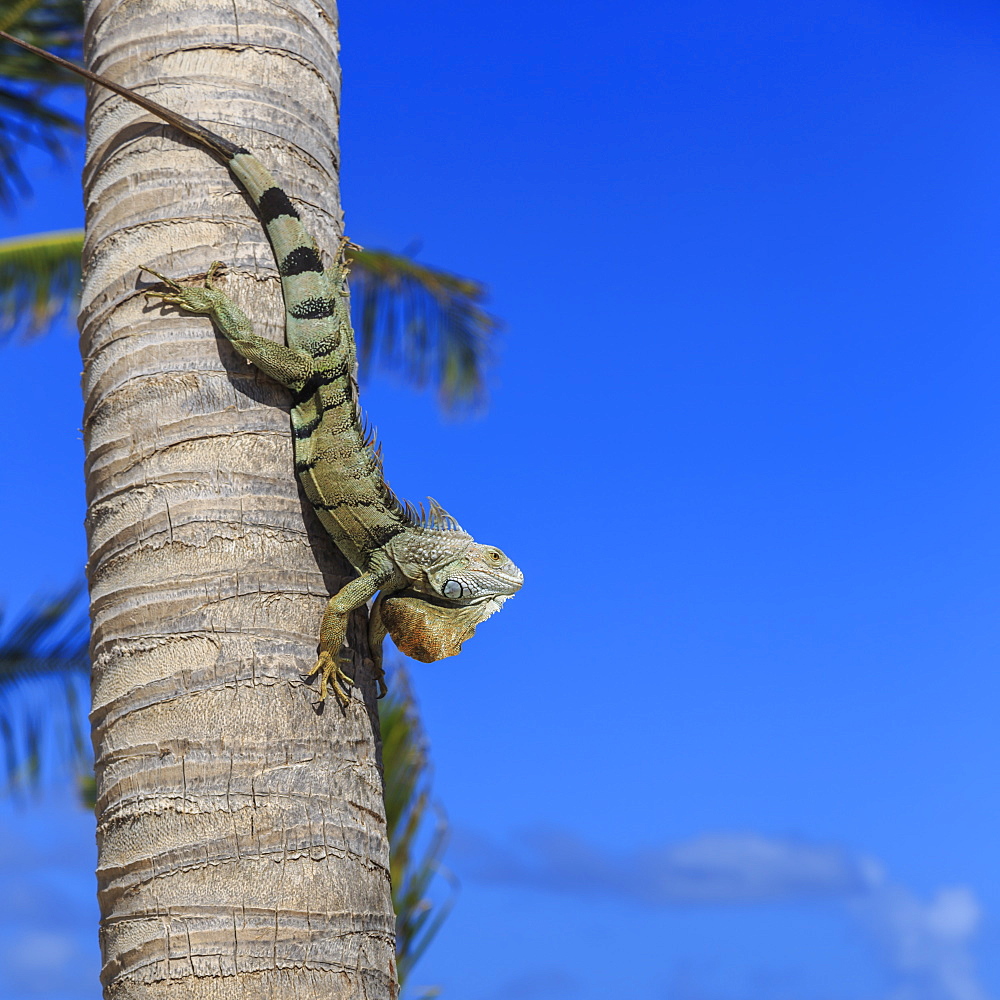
(203, 300)
(379, 673)
(331, 673)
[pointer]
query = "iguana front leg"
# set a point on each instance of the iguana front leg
(287, 365)
(333, 630)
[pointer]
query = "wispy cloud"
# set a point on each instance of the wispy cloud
(713, 868)
(537, 984)
(925, 945)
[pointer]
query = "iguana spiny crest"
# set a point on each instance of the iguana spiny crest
(440, 559)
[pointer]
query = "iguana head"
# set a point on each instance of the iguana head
(442, 561)
(455, 583)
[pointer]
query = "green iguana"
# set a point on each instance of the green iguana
(434, 583)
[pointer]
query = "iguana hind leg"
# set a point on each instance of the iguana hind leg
(376, 636)
(287, 365)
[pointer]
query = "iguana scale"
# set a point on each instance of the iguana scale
(434, 583)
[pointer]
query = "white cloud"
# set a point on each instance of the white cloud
(926, 946)
(746, 868)
(41, 951)
(712, 868)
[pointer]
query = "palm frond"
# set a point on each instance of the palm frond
(25, 118)
(39, 280)
(426, 323)
(51, 638)
(55, 25)
(418, 830)
(44, 664)
(14, 13)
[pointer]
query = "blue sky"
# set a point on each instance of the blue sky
(735, 739)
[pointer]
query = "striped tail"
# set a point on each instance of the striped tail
(308, 291)
(311, 295)
(336, 456)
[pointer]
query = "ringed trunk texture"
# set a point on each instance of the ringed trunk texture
(241, 833)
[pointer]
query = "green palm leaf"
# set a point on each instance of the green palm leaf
(427, 323)
(39, 280)
(14, 13)
(418, 830)
(44, 662)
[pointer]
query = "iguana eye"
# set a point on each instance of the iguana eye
(452, 589)
(494, 555)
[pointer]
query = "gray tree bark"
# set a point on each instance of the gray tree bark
(241, 833)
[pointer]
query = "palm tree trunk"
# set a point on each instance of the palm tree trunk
(241, 833)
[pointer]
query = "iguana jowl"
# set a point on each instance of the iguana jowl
(434, 583)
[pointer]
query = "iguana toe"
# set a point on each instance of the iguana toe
(169, 282)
